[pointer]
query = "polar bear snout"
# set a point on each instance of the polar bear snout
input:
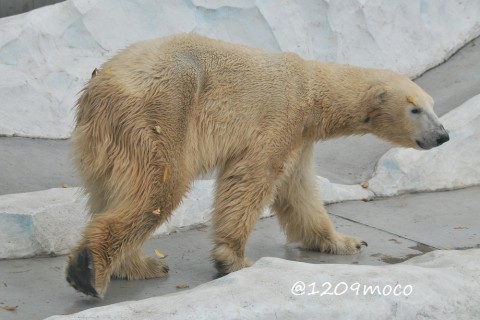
(435, 139)
(444, 137)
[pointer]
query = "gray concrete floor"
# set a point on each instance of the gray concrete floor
(34, 164)
(38, 164)
(396, 229)
(12, 7)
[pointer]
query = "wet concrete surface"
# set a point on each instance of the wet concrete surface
(34, 164)
(442, 220)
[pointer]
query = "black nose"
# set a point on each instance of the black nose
(443, 138)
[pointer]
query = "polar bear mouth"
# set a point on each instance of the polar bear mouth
(421, 145)
(441, 139)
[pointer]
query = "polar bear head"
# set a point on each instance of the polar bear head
(400, 112)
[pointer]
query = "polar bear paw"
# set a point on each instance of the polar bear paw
(338, 243)
(227, 260)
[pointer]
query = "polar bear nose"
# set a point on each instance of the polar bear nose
(434, 139)
(442, 139)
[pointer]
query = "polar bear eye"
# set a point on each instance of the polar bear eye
(416, 110)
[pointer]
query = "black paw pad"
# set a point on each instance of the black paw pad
(80, 273)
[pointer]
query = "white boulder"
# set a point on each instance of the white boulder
(335, 192)
(40, 223)
(437, 285)
(46, 55)
(454, 165)
(49, 222)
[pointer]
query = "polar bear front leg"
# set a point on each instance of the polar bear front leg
(302, 215)
(243, 190)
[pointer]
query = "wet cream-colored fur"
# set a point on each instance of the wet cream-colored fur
(162, 112)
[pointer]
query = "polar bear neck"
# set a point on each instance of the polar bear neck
(335, 96)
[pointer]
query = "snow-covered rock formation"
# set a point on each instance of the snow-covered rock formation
(40, 223)
(49, 222)
(437, 285)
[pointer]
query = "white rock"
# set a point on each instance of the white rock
(437, 285)
(50, 221)
(46, 55)
(455, 164)
(334, 192)
(40, 223)
(196, 207)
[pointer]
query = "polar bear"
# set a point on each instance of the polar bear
(164, 111)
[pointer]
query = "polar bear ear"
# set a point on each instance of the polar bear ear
(378, 94)
(375, 96)
(382, 95)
